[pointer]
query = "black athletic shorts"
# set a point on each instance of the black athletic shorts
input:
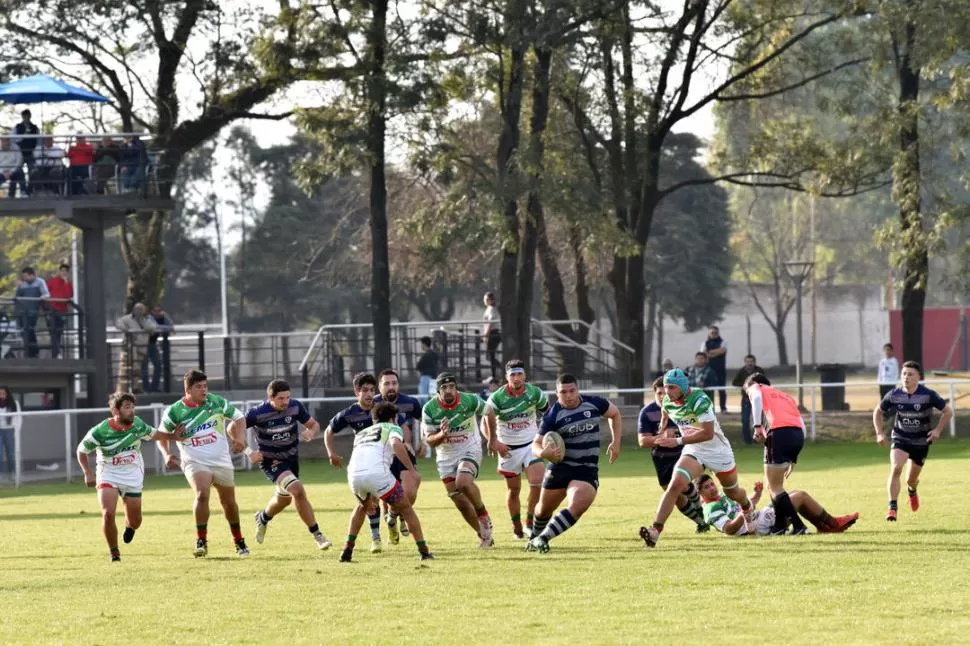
(783, 445)
(665, 469)
(559, 477)
(397, 467)
(273, 468)
(915, 452)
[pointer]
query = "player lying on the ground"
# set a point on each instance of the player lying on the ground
(276, 431)
(913, 430)
(370, 478)
(120, 468)
(725, 514)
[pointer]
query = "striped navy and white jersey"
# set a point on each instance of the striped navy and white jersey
(579, 428)
(408, 408)
(277, 432)
(356, 418)
(914, 413)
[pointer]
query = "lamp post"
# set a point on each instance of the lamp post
(798, 271)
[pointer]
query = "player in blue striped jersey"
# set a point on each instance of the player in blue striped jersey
(409, 410)
(575, 417)
(275, 425)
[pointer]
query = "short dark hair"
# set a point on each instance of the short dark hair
(713, 327)
(64, 265)
(887, 345)
(657, 383)
(117, 400)
(28, 270)
(388, 371)
(915, 366)
(514, 363)
(25, 113)
(362, 379)
(704, 477)
(426, 340)
(757, 378)
(383, 412)
(566, 378)
(193, 377)
(752, 357)
(277, 386)
(700, 354)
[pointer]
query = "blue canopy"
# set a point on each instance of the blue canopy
(41, 88)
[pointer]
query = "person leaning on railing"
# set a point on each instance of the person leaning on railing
(12, 168)
(81, 157)
(30, 295)
(137, 328)
(107, 156)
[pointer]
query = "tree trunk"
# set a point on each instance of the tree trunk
(782, 343)
(907, 194)
(583, 306)
(141, 247)
(376, 127)
(648, 335)
(510, 302)
(660, 340)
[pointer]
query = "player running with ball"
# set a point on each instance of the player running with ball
(120, 470)
(450, 425)
(704, 447)
(510, 427)
(574, 474)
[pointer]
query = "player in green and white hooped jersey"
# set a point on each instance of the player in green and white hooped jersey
(206, 454)
(450, 425)
(704, 447)
(370, 478)
(120, 470)
(510, 427)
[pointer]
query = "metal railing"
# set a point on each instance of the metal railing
(33, 328)
(45, 442)
(82, 164)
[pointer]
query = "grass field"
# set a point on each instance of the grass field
(878, 583)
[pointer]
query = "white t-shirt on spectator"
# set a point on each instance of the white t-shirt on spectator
(888, 371)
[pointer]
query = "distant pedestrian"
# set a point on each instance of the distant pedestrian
(492, 334)
(62, 293)
(749, 368)
(888, 376)
(31, 296)
(427, 368)
(716, 349)
(164, 325)
(10, 421)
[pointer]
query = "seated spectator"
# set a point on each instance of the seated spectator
(12, 168)
(81, 157)
(48, 173)
(107, 156)
(134, 161)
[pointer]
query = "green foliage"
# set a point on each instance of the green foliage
(39, 242)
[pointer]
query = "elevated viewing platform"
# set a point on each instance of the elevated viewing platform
(92, 181)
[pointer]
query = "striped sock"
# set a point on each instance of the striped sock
(911, 490)
(202, 532)
(235, 531)
(563, 521)
(375, 525)
(540, 525)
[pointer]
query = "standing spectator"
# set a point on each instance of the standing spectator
(12, 168)
(27, 138)
(888, 376)
(163, 325)
(137, 328)
(106, 160)
(492, 334)
(716, 349)
(81, 157)
(62, 292)
(749, 368)
(665, 367)
(30, 299)
(427, 367)
(701, 376)
(10, 421)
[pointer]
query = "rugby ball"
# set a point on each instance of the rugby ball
(554, 439)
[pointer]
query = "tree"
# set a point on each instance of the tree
(133, 52)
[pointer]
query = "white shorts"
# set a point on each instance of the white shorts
(764, 522)
(715, 455)
(517, 461)
(448, 466)
(222, 476)
(373, 483)
(124, 489)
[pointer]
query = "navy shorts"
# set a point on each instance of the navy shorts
(665, 469)
(559, 477)
(915, 452)
(783, 445)
(397, 467)
(273, 468)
